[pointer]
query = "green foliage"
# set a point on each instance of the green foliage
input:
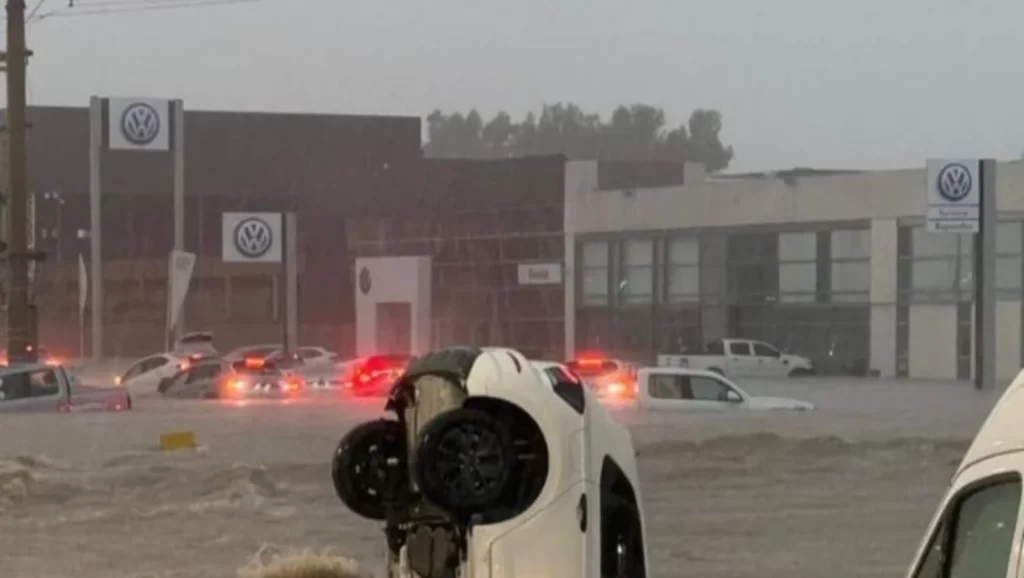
(637, 132)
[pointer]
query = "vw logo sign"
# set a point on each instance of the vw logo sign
(140, 124)
(253, 237)
(954, 182)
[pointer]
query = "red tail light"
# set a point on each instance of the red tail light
(254, 363)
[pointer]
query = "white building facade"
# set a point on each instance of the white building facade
(835, 267)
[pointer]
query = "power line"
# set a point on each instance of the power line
(101, 7)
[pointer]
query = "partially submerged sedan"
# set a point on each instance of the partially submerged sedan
(221, 379)
(696, 389)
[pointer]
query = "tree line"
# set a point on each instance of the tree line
(634, 132)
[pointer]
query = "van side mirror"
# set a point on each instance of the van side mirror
(732, 397)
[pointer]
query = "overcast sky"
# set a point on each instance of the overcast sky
(823, 83)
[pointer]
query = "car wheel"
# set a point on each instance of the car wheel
(799, 372)
(369, 468)
(464, 461)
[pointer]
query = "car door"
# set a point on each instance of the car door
(14, 393)
(714, 394)
(201, 382)
(152, 370)
(176, 385)
(740, 359)
(669, 390)
(769, 360)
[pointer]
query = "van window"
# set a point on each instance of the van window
(975, 537)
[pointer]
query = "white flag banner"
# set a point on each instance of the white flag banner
(83, 285)
(179, 277)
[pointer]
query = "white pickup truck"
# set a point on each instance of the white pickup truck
(742, 358)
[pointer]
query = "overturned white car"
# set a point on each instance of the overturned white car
(495, 467)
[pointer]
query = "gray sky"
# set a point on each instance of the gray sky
(824, 83)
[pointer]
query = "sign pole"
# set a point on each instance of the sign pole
(291, 284)
(178, 137)
(95, 224)
(985, 279)
(83, 289)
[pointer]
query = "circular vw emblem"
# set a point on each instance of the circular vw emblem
(954, 182)
(253, 237)
(140, 124)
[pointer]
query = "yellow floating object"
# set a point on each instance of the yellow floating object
(178, 440)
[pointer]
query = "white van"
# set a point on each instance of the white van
(977, 531)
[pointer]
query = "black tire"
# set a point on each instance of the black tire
(799, 372)
(128, 402)
(464, 461)
(363, 479)
(622, 552)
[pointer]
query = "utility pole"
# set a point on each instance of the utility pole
(20, 317)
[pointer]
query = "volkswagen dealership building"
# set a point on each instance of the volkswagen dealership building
(837, 266)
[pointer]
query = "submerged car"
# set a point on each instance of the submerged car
(374, 376)
(609, 378)
(38, 387)
(681, 388)
(221, 379)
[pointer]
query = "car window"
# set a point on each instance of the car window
(204, 372)
(976, 536)
(43, 383)
(154, 363)
(669, 387)
(708, 389)
(308, 352)
(178, 379)
(739, 348)
(134, 370)
(764, 350)
(14, 386)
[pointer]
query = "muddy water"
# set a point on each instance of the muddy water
(842, 491)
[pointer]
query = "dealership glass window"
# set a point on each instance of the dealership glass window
(851, 244)
(683, 280)
(1009, 239)
(637, 284)
(1008, 276)
(798, 268)
(926, 244)
(851, 277)
(934, 275)
(594, 269)
(850, 267)
(798, 281)
(798, 246)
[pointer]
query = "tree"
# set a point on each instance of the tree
(635, 132)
